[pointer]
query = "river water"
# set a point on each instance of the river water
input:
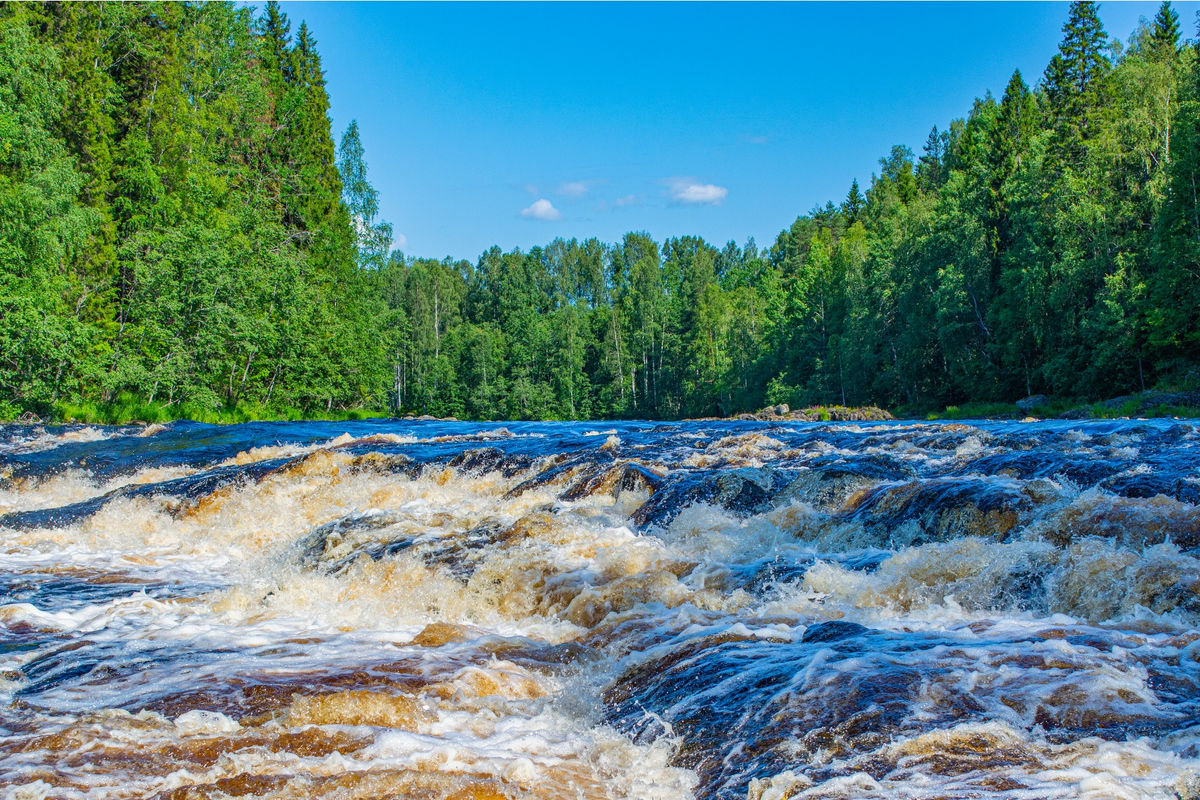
(599, 610)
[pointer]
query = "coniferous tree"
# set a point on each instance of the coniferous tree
(853, 204)
(1164, 36)
(1073, 81)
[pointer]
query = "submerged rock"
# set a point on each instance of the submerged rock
(941, 509)
(743, 491)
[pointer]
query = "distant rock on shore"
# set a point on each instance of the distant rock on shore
(1032, 403)
(1141, 403)
(783, 413)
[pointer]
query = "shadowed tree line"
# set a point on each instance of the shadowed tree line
(177, 227)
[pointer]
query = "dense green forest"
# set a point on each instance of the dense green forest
(177, 226)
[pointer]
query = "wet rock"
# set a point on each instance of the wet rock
(627, 477)
(326, 545)
(182, 495)
(1128, 521)
(767, 701)
(1083, 469)
(461, 554)
(829, 484)
(1151, 485)
(833, 631)
(481, 461)
(743, 491)
(572, 471)
(940, 509)
(1032, 402)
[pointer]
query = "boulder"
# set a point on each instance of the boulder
(1033, 402)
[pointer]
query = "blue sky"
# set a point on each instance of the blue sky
(512, 124)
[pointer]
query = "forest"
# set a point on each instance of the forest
(180, 228)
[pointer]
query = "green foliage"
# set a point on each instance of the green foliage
(977, 411)
(182, 239)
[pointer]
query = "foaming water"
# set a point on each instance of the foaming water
(640, 610)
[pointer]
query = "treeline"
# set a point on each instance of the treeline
(179, 228)
(172, 219)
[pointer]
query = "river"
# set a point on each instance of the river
(600, 610)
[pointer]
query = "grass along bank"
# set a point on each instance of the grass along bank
(125, 410)
(1143, 404)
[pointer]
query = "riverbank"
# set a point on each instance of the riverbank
(1143, 404)
(1184, 403)
(123, 412)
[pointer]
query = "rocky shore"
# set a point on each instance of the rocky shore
(1140, 404)
(784, 413)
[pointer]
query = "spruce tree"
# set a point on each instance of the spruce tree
(853, 205)
(931, 172)
(1016, 122)
(1073, 81)
(276, 32)
(1164, 36)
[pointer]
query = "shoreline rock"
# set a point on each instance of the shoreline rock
(782, 413)
(1146, 402)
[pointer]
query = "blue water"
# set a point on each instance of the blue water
(601, 609)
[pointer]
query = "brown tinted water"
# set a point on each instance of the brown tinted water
(597, 610)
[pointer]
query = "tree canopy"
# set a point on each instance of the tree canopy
(179, 227)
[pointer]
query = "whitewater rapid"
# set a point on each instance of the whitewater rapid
(600, 610)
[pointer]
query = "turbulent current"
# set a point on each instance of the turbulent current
(723, 610)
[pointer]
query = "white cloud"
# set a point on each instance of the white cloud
(401, 240)
(541, 209)
(627, 200)
(757, 139)
(574, 189)
(689, 191)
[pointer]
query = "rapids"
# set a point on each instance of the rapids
(600, 610)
